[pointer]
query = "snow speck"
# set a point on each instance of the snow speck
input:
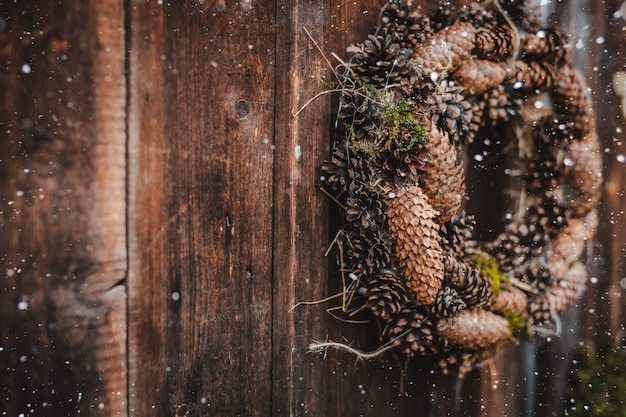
(518, 85)
(600, 40)
(622, 283)
(352, 276)
(538, 104)
(250, 47)
(621, 158)
(297, 152)
(541, 34)
(22, 305)
(26, 69)
(579, 44)
(594, 280)
(214, 64)
(23, 358)
(101, 406)
(568, 162)
(434, 77)
(175, 296)
(478, 157)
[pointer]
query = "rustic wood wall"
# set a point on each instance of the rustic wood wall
(160, 215)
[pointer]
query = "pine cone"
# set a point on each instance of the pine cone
(510, 300)
(386, 295)
(495, 44)
(476, 76)
(570, 100)
(444, 51)
(550, 45)
(382, 62)
(415, 233)
(400, 166)
(409, 27)
(448, 303)
(530, 78)
(456, 233)
(342, 168)
(558, 298)
(525, 14)
(520, 242)
(368, 251)
(498, 106)
(365, 208)
(443, 182)
(359, 114)
(474, 329)
(466, 279)
(451, 111)
(570, 243)
(412, 331)
(583, 172)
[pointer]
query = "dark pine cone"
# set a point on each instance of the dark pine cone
(410, 28)
(451, 111)
(530, 78)
(548, 214)
(496, 43)
(342, 168)
(520, 242)
(365, 208)
(412, 331)
(455, 234)
(359, 114)
(498, 106)
(536, 273)
(448, 303)
(368, 250)
(382, 63)
(551, 45)
(386, 295)
(398, 166)
(465, 278)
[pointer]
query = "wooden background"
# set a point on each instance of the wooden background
(160, 214)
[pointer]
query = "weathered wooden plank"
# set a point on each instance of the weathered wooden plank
(200, 207)
(62, 194)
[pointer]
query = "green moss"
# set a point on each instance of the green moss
(401, 123)
(598, 386)
(518, 324)
(489, 268)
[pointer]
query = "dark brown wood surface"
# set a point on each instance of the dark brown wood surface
(161, 215)
(62, 204)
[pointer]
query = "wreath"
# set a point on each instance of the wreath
(412, 96)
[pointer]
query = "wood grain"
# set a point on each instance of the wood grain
(201, 162)
(62, 194)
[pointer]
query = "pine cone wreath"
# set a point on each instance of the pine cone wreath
(413, 94)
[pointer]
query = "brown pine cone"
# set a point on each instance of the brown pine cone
(443, 52)
(386, 295)
(476, 76)
(417, 242)
(510, 300)
(412, 331)
(401, 166)
(456, 233)
(520, 242)
(498, 106)
(365, 208)
(474, 329)
(495, 43)
(571, 100)
(359, 114)
(530, 78)
(368, 251)
(382, 62)
(570, 243)
(451, 111)
(342, 168)
(550, 44)
(443, 182)
(466, 279)
(558, 298)
(583, 173)
(448, 303)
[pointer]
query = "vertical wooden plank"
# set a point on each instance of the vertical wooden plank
(300, 237)
(62, 213)
(200, 207)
